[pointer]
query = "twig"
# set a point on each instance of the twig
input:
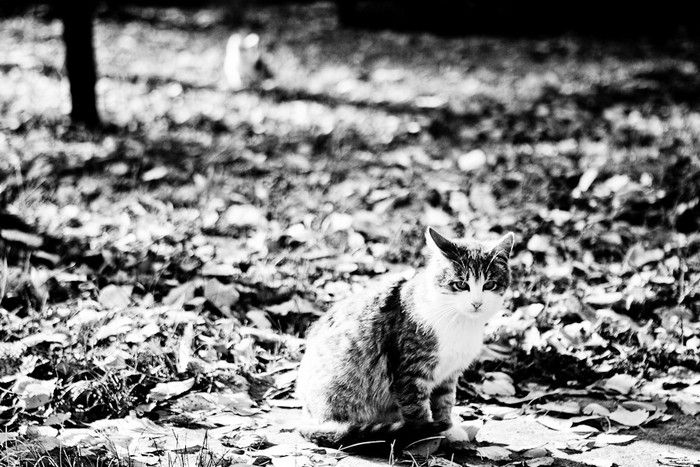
(360, 444)
(424, 439)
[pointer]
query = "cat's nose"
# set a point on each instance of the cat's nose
(476, 305)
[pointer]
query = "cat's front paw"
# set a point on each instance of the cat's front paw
(456, 434)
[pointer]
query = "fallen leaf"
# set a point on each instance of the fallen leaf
(180, 295)
(498, 384)
(184, 348)
(115, 327)
(34, 393)
(164, 391)
(219, 270)
(337, 222)
(678, 461)
(535, 453)
(291, 461)
(688, 404)
(494, 453)
(601, 299)
(621, 383)
(46, 337)
(243, 215)
(442, 462)
(638, 256)
(522, 433)
(540, 461)
(156, 173)
(604, 439)
(481, 198)
(586, 180)
(6, 437)
(115, 296)
(596, 409)
(629, 418)
(538, 244)
(472, 160)
(424, 448)
(223, 296)
(296, 305)
(568, 408)
(558, 424)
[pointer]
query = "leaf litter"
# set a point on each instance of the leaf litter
(192, 260)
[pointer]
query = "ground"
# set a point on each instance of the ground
(194, 240)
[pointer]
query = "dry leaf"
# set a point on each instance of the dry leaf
(629, 418)
(115, 297)
(472, 160)
(494, 453)
(604, 439)
(164, 391)
(34, 393)
(596, 409)
(621, 383)
(567, 408)
(498, 384)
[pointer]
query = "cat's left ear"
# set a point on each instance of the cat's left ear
(440, 244)
(504, 246)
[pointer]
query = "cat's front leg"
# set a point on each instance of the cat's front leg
(442, 400)
(412, 391)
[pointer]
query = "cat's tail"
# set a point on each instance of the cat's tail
(370, 437)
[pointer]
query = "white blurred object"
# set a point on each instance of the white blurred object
(243, 65)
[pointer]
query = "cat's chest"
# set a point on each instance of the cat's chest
(457, 347)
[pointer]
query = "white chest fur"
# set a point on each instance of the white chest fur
(460, 335)
(459, 345)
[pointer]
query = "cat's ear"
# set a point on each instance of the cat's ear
(504, 246)
(439, 243)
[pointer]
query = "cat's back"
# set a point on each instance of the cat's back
(357, 314)
(344, 351)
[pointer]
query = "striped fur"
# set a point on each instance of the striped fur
(384, 365)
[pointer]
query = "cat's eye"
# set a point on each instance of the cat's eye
(489, 285)
(460, 286)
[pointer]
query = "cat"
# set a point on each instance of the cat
(243, 63)
(384, 366)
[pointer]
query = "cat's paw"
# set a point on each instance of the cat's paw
(456, 435)
(418, 430)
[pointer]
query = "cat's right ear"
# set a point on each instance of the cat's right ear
(504, 246)
(440, 244)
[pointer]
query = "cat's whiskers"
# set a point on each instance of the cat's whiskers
(449, 316)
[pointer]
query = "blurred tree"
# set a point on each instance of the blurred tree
(77, 17)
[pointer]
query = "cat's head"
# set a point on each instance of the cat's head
(469, 277)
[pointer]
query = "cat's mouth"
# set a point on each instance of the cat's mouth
(476, 311)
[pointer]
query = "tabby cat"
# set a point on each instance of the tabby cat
(384, 366)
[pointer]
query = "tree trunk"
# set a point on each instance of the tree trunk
(80, 60)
